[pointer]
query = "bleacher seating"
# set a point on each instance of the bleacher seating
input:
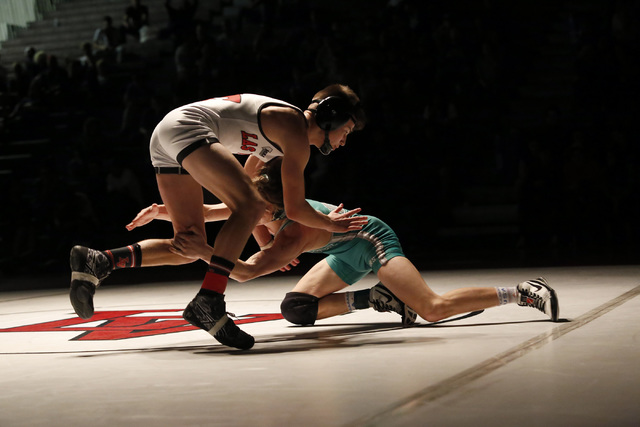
(62, 31)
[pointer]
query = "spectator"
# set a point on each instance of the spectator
(18, 83)
(136, 17)
(136, 99)
(4, 78)
(107, 40)
(181, 19)
(88, 59)
(29, 62)
(186, 59)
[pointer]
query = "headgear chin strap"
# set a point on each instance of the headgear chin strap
(326, 147)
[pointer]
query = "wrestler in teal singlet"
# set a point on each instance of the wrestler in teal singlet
(355, 254)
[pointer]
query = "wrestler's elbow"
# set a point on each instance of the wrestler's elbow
(241, 276)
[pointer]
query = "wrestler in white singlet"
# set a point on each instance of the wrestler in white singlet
(234, 121)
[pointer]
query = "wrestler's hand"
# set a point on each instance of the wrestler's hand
(294, 263)
(343, 222)
(191, 245)
(145, 216)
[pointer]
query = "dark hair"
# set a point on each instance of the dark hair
(269, 183)
(345, 92)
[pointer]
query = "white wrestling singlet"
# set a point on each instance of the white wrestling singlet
(233, 121)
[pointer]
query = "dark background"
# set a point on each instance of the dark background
(500, 133)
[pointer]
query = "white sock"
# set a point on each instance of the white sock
(507, 295)
(350, 298)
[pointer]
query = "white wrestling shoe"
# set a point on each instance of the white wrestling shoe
(538, 294)
(382, 299)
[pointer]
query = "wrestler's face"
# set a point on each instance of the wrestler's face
(267, 215)
(338, 137)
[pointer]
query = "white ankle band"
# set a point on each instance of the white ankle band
(219, 324)
(77, 275)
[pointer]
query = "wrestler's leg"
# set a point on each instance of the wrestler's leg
(322, 282)
(406, 282)
(217, 170)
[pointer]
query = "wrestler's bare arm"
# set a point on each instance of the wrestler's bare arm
(217, 212)
(289, 129)
(287, 246)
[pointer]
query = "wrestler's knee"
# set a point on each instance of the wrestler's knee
(299, 308)
(432, 310)
(249, 205)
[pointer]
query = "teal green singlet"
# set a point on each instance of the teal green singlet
(355, 254)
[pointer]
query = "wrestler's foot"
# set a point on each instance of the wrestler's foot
(538, 294)
(88, 268)
(382, 299)
(208, 311)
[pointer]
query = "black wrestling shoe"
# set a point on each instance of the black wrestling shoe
(382, 299)
(88, 268)
(538, 294)
(208, 311)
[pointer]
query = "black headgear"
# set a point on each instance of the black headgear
(332, 113)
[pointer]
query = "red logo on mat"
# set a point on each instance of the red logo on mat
(118, 325)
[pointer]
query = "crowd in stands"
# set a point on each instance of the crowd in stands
(438, 79)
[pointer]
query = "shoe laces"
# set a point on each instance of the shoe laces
(382, 306)
(534, 300)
